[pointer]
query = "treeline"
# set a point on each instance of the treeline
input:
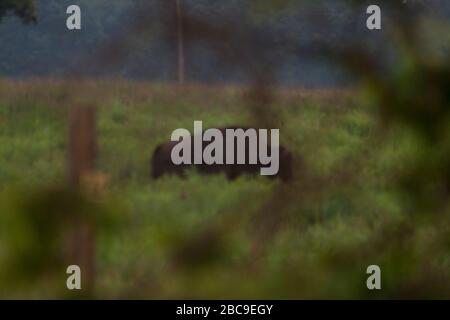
(286, 35)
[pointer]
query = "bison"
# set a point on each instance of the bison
(161, 162)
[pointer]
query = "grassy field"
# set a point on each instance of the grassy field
(207, 237)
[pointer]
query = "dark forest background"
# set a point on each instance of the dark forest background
(49, 49)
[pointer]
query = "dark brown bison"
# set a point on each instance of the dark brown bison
(161, 163)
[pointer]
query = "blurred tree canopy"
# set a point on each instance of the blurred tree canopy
(25, 9)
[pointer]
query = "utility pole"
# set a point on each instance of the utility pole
(180, 40)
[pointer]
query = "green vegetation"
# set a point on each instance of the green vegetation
(206, 237)
(25, 9)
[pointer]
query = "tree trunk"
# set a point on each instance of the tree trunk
(82, 144)
(82, 157)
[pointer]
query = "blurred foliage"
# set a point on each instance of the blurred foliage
(37, 226)
(24, 9)
(371, 186)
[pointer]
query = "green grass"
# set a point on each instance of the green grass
(207, 237)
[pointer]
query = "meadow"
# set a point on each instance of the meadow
(205, 236)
